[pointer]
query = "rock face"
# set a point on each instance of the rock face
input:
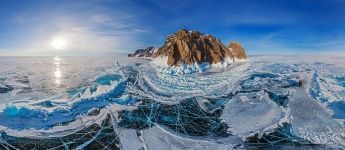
(147, 52)
(237, 50)
(189, 47)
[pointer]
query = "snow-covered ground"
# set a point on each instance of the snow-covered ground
(293, 102)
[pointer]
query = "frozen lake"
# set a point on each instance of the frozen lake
(130, 103)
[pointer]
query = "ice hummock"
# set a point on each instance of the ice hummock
(161, 64)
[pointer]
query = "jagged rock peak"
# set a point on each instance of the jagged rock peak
(147, 52)
(189, 47)
(237, 50)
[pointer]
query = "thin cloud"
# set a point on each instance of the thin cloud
(95, 32)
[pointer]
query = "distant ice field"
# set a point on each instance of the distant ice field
(117, 102)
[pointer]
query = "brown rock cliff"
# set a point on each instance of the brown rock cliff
(191, 47)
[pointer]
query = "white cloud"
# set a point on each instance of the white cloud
(83, 33)
(85, 40)
(101, 18)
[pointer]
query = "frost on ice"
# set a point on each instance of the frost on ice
(268, 102)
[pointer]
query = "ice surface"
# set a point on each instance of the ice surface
(157, 138)
(292, 102)
(312, 122)
(256, 115)
(43, 77)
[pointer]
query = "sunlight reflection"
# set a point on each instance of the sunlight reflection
(57, 73)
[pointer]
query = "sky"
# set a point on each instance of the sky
(102, 27)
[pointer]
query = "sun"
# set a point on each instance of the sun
(58, 43)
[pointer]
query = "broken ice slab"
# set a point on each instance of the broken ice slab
(250, 113)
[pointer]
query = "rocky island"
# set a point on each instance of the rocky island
(192, 47)
(147, 52)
